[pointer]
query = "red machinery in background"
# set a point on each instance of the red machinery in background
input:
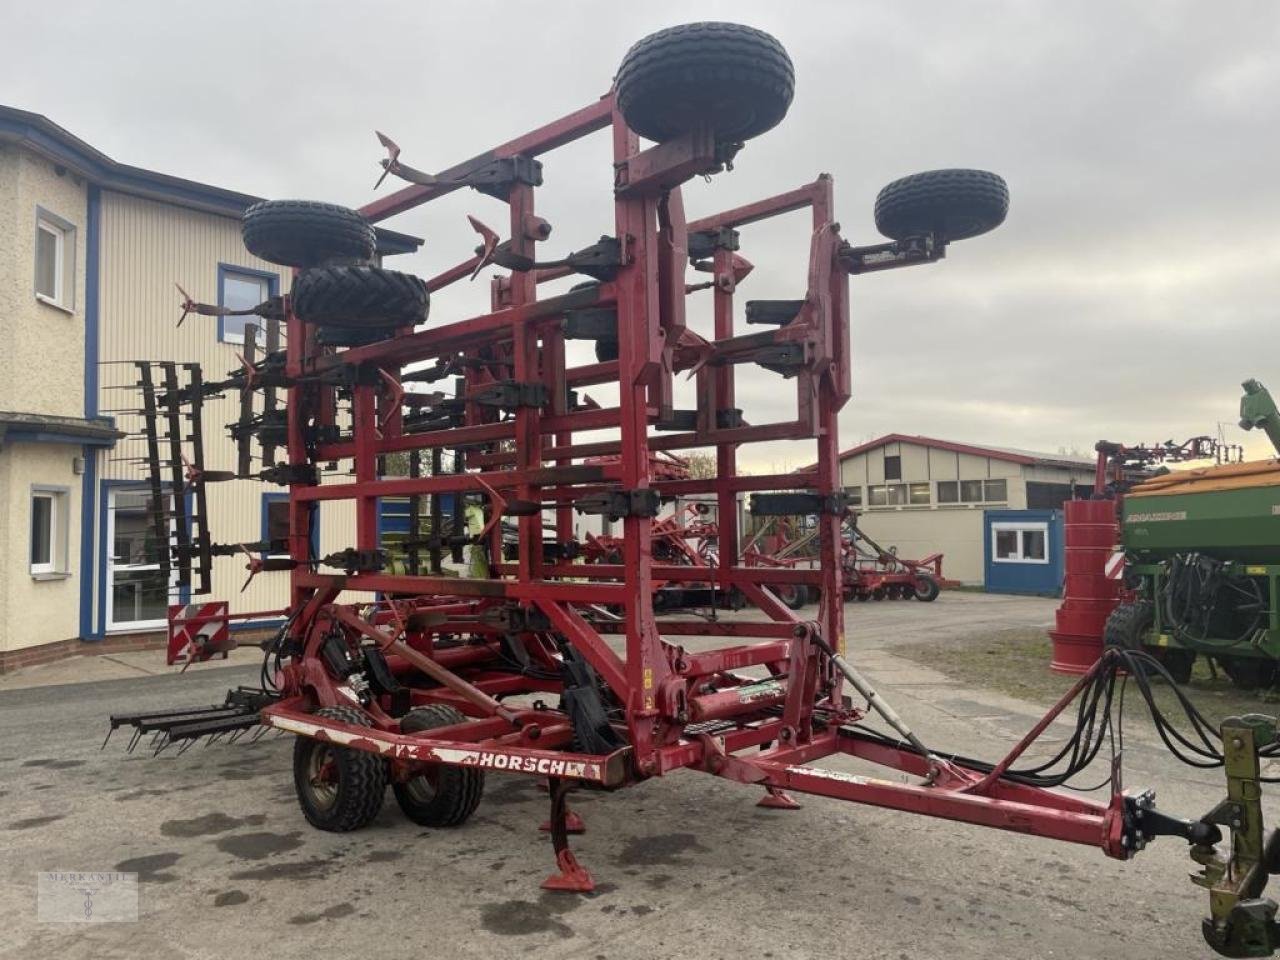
(869, 571)
(424, 682)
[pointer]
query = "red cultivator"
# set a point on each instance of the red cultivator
(559, 669)
(869, 571)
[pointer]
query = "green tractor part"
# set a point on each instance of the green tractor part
(1241, 922)
(1202, 551)
(1257, 409)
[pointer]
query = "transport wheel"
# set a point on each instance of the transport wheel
(606, 350)
(793, 595)
(862, 596)
(926, 589)
(1249, 673)
(812, 594)
(736, 79)
(306, 233)
(339, 789)
(878, 593)
(356, 296)
(1128, 626)
(441, 796)
(950, 204)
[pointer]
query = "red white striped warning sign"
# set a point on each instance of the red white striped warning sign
(197, 631)
(1115, 565)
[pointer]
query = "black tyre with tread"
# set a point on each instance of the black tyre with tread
(792, 595)
(735, 78)
(926, 589)
(359, 296)
(445, 796)
(306, 233)
(1249, 673)
(1127, 627)
(339, 789)
(950, 204)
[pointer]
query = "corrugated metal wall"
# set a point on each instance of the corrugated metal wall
(147, 247)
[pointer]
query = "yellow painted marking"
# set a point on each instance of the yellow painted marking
(840, 644)
(648, 678)
(1256, 571)
(1162, 640)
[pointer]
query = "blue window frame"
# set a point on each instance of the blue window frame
(240, 288)
(275, 523)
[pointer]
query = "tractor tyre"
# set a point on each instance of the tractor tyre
(792, 595)
(926, 589)
(862, 596)
(1127, 627)
(950, 204)
(878, 593)
(346, 296)
(737, 80)
(1250, 673)
(304, 233)
(606, 350)
(339, 788)
(443, 796)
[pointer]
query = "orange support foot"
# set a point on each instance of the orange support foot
(572, 877)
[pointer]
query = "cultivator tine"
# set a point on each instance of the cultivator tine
(234, 716)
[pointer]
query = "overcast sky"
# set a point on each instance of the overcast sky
(1134, 285)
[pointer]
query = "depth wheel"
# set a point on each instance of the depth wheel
(440, 796)
(950, 204)
(737, 80)
(305, 233)
(339, 789)
(345, 296)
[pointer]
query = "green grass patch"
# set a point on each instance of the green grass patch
(1016, 662)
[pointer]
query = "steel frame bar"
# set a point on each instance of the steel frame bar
(674, 708)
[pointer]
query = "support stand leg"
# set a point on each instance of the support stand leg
(571, 876)
(775, 799)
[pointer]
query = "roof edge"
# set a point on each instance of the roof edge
(973, 449)
(39, 134)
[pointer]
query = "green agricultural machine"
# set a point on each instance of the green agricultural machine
(1202, 562)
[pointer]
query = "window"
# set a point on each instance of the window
(888, 495)
(55, 260)
(241, 289)
(972, 491)
(855, 495)
(275, 523)
(48, 531)
(1020, 542)
(893, 468)
(918, 493)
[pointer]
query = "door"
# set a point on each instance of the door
(137, 594)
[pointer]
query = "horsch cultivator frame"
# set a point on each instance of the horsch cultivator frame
(424, 681)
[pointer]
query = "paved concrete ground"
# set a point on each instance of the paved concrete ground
(687, 865)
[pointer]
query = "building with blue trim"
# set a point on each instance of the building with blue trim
(89, 254)
(993, 512)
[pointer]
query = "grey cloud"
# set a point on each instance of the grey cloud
(1134, 285)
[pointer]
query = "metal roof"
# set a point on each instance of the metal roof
(1009, 454)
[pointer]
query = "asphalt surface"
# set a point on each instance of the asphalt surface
(687, 865)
